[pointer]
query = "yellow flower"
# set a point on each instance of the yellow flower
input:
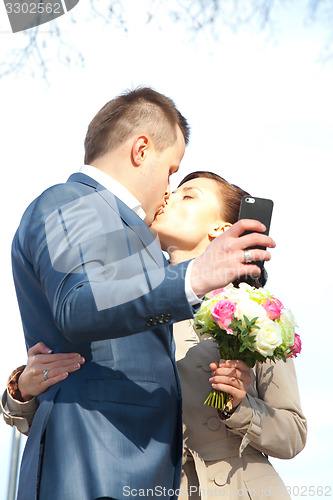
(259, 294)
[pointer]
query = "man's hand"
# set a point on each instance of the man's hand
(44, 370)
(224, 260)
(232, 376)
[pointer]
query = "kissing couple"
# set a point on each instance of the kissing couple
(91, 277)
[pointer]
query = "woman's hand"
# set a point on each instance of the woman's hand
(44, 370)
(232, 376)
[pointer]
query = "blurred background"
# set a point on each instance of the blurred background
(254, 79)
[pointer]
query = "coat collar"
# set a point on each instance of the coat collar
(127, 215)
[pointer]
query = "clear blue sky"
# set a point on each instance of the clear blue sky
(261, 115)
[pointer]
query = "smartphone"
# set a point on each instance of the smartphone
(259, 209)
(256, 208)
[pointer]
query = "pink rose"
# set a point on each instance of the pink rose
(215, 292)
(273, 308)
(297, 347)
(222, 313)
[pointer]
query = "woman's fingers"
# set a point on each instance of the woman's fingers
(233, 377)
(64, 361)
(45, 384)
(229, 382)
(230, 366)
(56, 374)
(56, 369)
(62, 357)
(50, 361)
(44, 370)
(39, 348)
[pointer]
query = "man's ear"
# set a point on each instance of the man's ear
(218, 228)
(139, 150)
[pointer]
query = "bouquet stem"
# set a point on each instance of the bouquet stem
(219, 399)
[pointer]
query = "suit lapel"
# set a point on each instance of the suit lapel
(130, 218)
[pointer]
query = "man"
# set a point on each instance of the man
(90, 277)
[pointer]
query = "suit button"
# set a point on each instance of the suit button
(161, 319)
(155, 321)
(150, 322)
(167, 318)
(213, 423)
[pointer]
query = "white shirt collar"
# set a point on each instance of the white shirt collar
(115, 187)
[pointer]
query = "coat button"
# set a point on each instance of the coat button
(222, 476)
(213, 423)
(220, 479)
(205, 366)
(150, 322)
(155, 321)
(161, 319)
(167, 318)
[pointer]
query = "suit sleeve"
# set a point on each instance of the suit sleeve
(100, 280)
(272, 422)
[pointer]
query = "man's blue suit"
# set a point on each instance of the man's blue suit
(90, 278)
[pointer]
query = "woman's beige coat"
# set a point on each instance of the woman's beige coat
(228, 459)
(224, 459)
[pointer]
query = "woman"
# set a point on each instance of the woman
(225, 455)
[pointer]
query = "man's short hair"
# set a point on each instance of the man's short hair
(142, 110)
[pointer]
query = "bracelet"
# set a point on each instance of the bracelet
(225, 414)
(12, 385)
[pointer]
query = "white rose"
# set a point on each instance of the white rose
(268, 337)
(244, 287)
(236, 294)
(250, 309)
(286, 313)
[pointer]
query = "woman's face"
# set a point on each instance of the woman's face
(190, 217)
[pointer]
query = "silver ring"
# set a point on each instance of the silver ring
(247, 256)
(45, 373)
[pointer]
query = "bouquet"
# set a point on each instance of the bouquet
(249, 324)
